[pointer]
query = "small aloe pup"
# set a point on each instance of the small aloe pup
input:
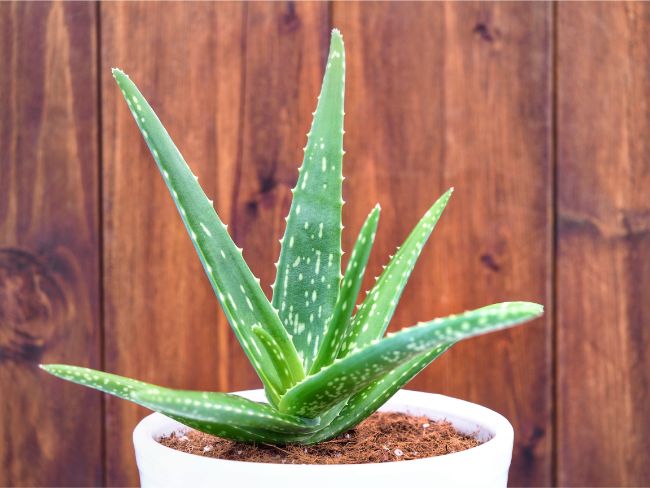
(323, 367)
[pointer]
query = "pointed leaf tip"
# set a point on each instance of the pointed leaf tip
(311, 246)
(54, 369)
(239, 293)
(533, 308)
(375, 313)
(336, 41)
(363, 366)
(117, 72)
(338, 326)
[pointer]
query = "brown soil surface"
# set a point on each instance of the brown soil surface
(383, 437)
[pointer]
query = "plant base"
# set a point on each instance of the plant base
(483, 465)
(384, 437)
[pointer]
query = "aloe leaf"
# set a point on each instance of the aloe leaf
(337, 327)
(236, 287)
(222, 409)
(229, 431)
(309, 267)
(372, 319)
(235, 433)
(274, 352)
(264, 435)
(108, 383)
(362, 367)
(367, 401)
(204, 408)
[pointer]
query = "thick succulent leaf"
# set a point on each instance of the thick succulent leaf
(227, 416)
(309, 267)
(235, 433)
(377, 309)
(367, 401)
(220, 410)
(337, 327)
(108, 383)
(362, 367)
(264, 435)
(238, 290)
(274, 352)
(229, 431)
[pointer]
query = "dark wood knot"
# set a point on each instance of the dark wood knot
(31, 302)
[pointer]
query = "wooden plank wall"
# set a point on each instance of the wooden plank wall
(603, 127)
(240, 119)
(536, 113)
(50, 299)
(452, 116)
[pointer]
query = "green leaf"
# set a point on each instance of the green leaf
(218, 410)
(108, 383)
(236, 433)
(222, 409)
(264, 435)
(274, 352)
(362, 367)
(238, 291)
(377, 309)
(367, 401)
(338, 325)
(309, 267)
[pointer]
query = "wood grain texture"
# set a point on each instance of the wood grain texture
(230, 85)
(49, 247)
(286, 46)
(458, 95)
(604, 244)
(162, 320)
(437, 95)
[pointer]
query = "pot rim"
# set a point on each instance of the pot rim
(487, 423)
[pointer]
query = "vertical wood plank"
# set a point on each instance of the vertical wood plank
(286, 46)
(603, 243)
(230, 83)
(458, 95)
(50, 431)
(162, 321)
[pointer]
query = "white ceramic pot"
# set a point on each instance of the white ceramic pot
(485, 465)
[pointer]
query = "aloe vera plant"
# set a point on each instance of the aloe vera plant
(324, 368)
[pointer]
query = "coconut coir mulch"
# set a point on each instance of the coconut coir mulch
(383, 437)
